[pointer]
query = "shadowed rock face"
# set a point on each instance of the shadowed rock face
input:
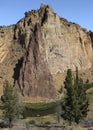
(35, 78)
(42, 46)
(67, 45)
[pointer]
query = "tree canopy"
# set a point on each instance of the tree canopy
(10, 102)
(75, 105)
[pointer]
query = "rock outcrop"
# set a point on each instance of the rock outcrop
(5, 41)
(67, 45)
(35, 78)
(47, 46)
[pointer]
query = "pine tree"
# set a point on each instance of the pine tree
(69, 99)
(82, 100)
(10, 102)
(75, 106)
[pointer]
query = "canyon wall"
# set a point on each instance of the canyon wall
(42, 46)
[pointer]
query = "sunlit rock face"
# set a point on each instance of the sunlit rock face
(66, 44)
(47, 46)
(6, 37)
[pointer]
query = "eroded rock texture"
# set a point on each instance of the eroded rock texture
(35, 78)
(46, 46)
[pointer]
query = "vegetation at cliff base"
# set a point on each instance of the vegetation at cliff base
(75, 105)
(10, 103)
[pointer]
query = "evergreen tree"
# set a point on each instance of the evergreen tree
(70, 97)
(81, 98)
(75, 106)
(10, 103)
(82, 101)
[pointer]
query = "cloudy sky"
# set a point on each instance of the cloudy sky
(78, 11)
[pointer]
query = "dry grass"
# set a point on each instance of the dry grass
(37, 99)
(49, 118)
(58, 80)
(78, 127)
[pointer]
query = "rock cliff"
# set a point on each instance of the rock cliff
(42, 46)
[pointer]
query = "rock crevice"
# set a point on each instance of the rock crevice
(40, 48)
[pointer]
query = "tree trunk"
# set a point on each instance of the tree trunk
(10, 123)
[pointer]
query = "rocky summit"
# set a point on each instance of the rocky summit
(36, 52)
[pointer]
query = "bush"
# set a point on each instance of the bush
(47, 122)
(32, 122)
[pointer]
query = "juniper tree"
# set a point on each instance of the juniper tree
(10, 103)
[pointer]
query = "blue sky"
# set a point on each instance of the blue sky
(78, 11)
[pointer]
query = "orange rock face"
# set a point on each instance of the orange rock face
(44, 46)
